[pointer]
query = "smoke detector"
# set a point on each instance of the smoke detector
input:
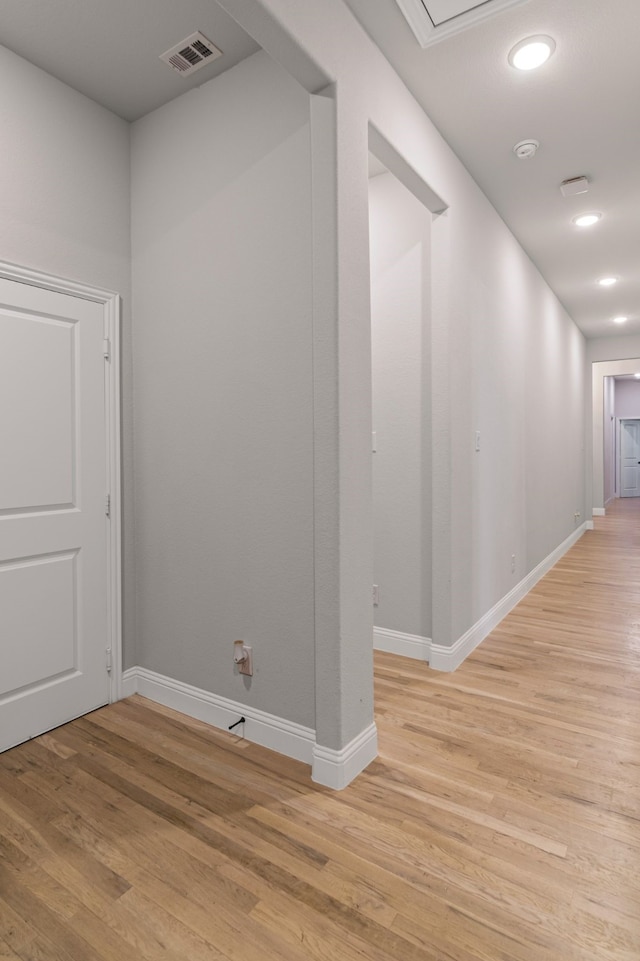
(191, 54)
(526, 149)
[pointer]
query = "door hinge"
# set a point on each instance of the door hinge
(107, 505)
(106, 348)
(108, 653)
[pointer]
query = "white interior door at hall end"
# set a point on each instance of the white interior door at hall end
(53, 547)
(630, 458)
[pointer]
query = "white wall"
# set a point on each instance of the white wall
(506, 360)
(627, 398)
(508, 363)
(221, 215)
(241, 531)
(64, 210)
(609, 438)
(400, 234)
(554, 440)
(601, 349)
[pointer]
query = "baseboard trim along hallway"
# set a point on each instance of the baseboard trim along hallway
(407, 645)
(292, 740)
(449, 658)
(335, 769)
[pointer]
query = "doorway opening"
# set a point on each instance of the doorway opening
(615, 396)
(629, 457)
(400, 266)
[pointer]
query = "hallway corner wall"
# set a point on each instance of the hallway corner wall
(223, 390)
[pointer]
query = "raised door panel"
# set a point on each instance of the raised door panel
(37, 378)
(39, 601)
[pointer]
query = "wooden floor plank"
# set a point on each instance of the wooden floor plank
(500, 822)
(6, 953)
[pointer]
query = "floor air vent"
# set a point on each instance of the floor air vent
(194, 52)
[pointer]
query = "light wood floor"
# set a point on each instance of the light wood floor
(501, 821)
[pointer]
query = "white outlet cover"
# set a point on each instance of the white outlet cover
(246, 666)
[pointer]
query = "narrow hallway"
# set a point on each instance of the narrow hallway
(501, 820)
(520, 772)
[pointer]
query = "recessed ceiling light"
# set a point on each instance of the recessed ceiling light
(620, 320)
(637, 376)
(531, 53)
(608, 281)
(586, 220)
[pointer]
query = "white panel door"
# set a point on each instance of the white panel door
(630, 458)
(53, 537)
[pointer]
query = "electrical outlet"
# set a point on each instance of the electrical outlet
(243, 657)
(376, 595)
(246, 665)
(513, 563)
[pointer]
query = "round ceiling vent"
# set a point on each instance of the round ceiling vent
(526, 149)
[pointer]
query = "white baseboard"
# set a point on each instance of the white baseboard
(129, 683)
(336, 769)
(598, 511)
(395, 642)
(286, 737)
(333, 768)
(449, 658)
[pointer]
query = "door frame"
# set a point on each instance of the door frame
(618, 453)
(110, 302)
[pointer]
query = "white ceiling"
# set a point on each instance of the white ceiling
(583, 106)
(442, 10)
(110, 49)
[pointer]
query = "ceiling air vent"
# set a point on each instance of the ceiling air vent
(434, 20)
(194, 52)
